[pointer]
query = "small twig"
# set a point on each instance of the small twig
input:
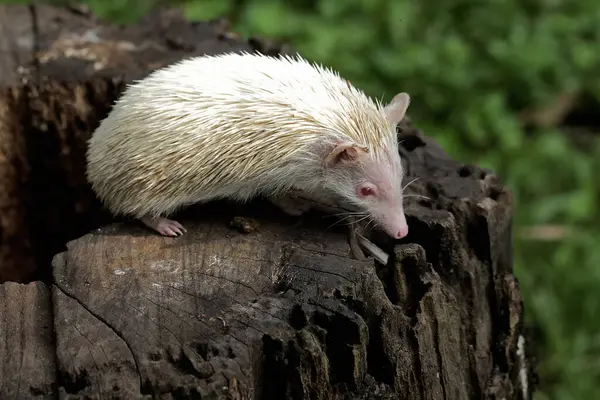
(373, 249)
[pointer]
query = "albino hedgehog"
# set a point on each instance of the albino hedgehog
(241, 125)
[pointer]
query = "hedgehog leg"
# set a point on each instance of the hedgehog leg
(355, 248)
(164, 226)
(291, 205)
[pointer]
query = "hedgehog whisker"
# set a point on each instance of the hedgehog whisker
(338, 222)
(346, 218)
(362, 219)
(346, 213)
(417, 195)
(332, 225)
(350, 223)
(372, 221)
(409, 183)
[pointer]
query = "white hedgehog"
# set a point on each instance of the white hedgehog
(240, 125)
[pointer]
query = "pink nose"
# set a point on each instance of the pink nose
(403, 231)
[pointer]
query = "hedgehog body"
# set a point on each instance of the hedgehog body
(237, 126)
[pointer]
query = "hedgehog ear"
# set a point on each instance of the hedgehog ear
(396, 109)
(345, 153)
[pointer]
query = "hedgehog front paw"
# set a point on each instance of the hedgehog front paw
(164, 226)
(291, 205)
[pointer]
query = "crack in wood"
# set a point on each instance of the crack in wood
(104, 322)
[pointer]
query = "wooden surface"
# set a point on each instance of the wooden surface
(278, 312)
(190, 313)
(27, 359)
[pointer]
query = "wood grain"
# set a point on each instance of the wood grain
(27, 360)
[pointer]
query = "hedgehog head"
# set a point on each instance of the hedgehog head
(371, 178)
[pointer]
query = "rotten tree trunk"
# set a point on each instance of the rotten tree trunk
(250, 304)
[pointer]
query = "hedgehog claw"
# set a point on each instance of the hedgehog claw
(164, 226)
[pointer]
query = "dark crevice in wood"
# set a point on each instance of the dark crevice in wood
(378, 363)
(417, 368)
(436, 341)
(36, 41)
(274, 371)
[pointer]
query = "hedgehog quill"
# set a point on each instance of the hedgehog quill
(239, 125)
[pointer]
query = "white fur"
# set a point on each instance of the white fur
(227, 126)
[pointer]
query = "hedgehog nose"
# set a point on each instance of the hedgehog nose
(402, 232)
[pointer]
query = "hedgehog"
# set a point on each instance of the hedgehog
(242, 125)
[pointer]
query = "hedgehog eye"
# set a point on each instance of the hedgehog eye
(367, 191)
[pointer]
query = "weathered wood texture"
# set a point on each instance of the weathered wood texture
(278, 312)
(27, 357)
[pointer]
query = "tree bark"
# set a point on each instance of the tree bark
(250, 303)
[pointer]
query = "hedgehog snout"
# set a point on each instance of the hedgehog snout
(396, 226)
(402, 232)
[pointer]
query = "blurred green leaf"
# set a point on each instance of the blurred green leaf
(206, 10)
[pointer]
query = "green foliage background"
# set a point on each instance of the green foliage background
(471, 67)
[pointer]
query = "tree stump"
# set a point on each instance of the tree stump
(250, 303)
